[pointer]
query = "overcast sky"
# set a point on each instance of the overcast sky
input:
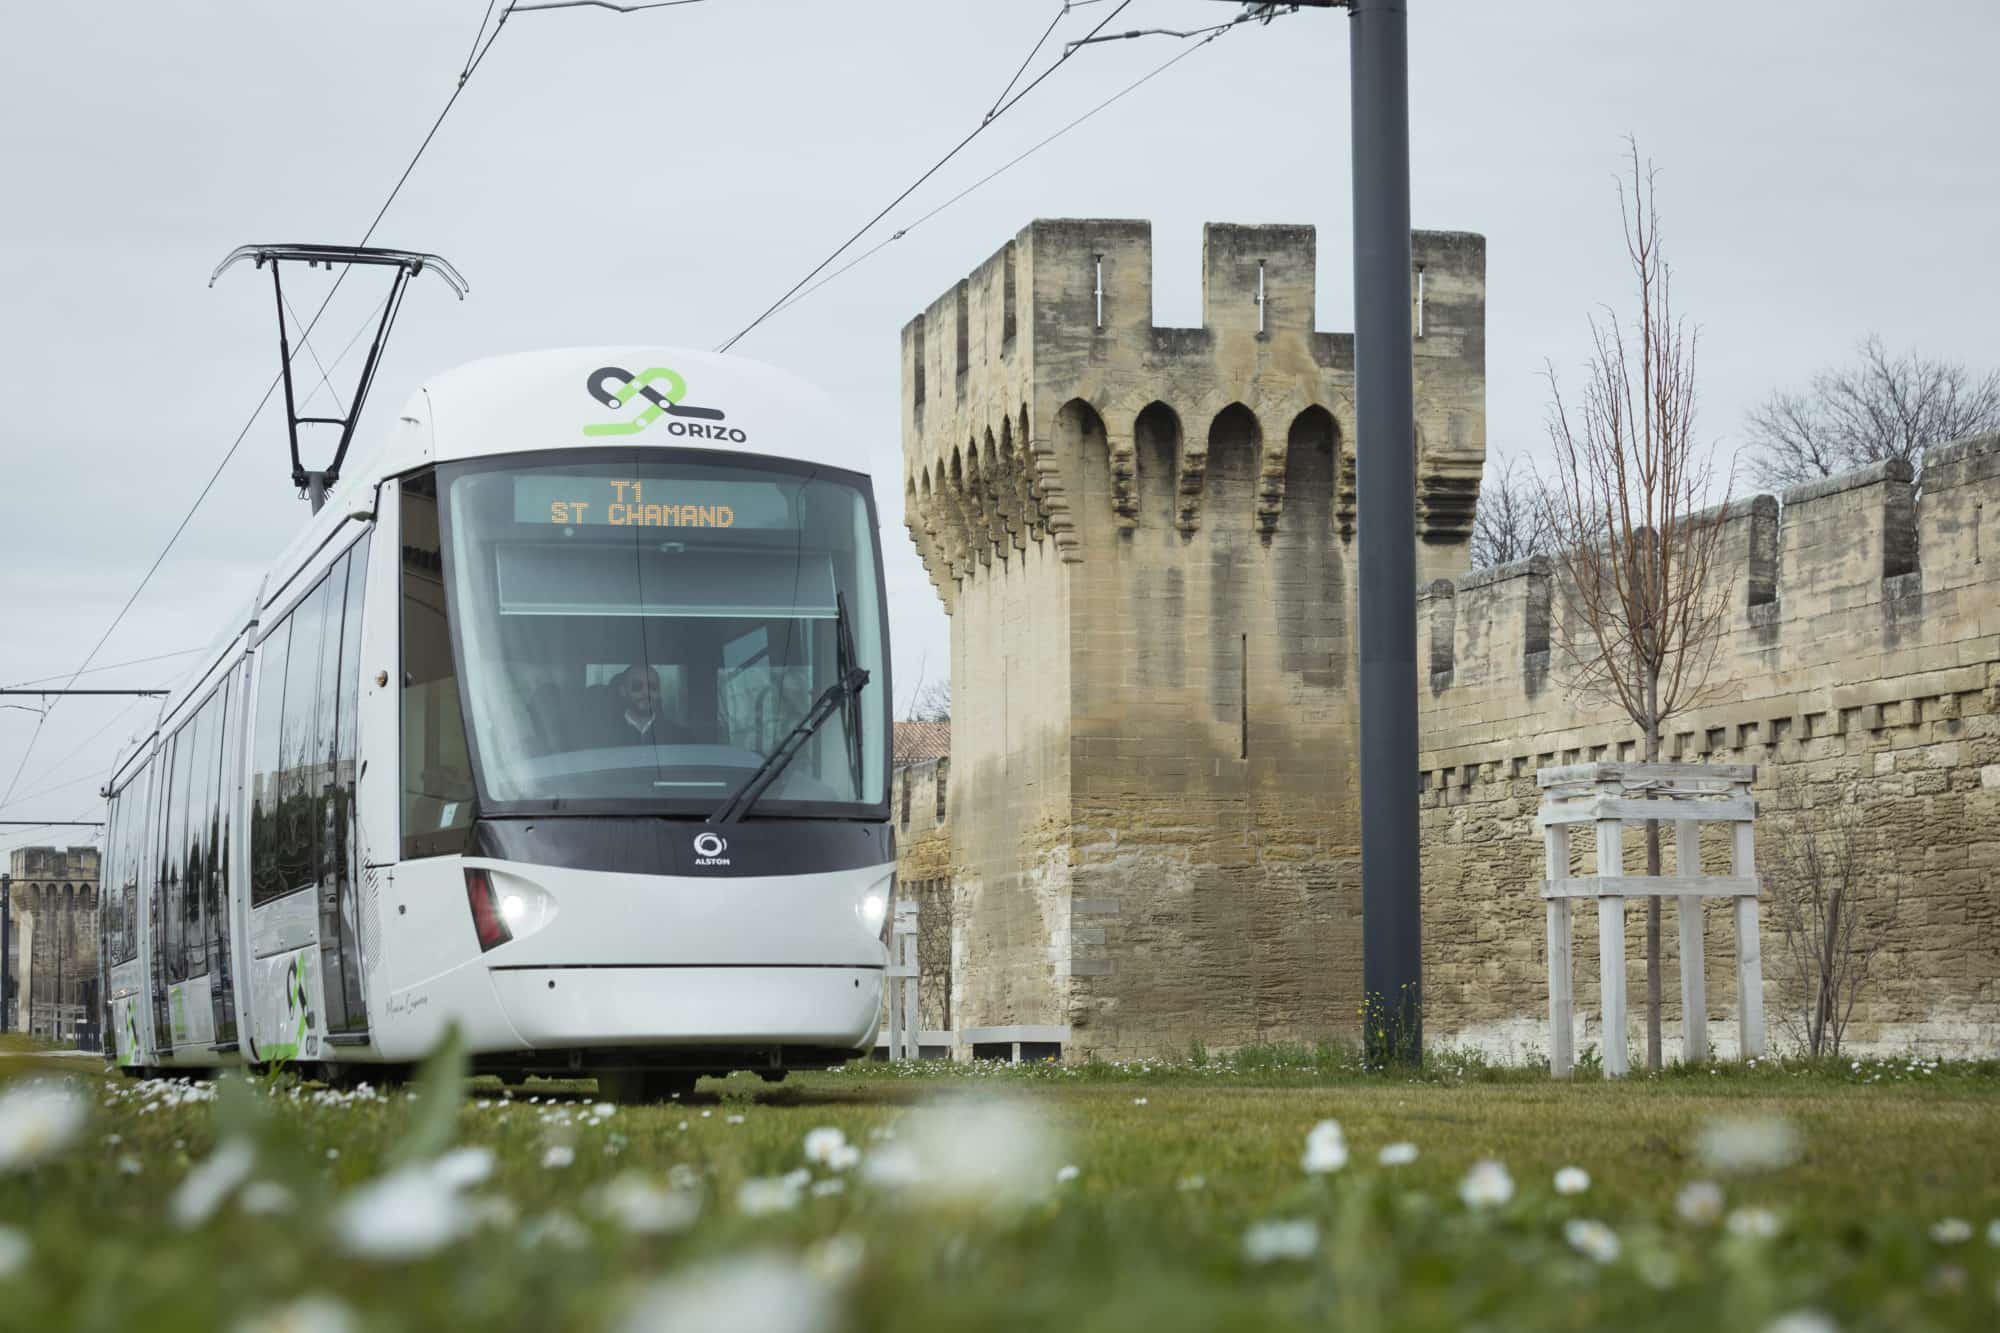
(1828, 169)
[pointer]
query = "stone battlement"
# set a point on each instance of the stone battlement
(1050, 345)
(1847, 596)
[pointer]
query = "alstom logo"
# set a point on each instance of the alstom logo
(664, 391)
(709, 849)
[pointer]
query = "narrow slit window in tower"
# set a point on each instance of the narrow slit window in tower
(1260, 296)
(1099, 292)
(1243, 696)
(1420, 300)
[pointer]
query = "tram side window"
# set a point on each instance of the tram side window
(121, 872)
(110, 905)
(132, 855)
(300, 788)
(437, 770)
(173, 856)
(199, 733)
(267, 880)
(215, 838)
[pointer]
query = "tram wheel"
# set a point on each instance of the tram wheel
(638, 1087)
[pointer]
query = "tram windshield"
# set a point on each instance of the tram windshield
(638, 630)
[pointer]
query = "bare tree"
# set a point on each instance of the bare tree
(1625, 507)
(932, 702)
(1833, 910)
(1512, 521)
(1881, 406)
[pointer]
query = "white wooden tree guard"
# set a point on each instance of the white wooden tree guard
(903, 982)
(1611, 796)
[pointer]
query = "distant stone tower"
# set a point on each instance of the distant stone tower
(1144, 538)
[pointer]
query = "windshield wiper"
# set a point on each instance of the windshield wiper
(830, 698)
(841, 692)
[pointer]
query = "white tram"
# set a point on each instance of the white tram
(566, 720)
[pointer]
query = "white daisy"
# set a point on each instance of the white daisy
(1486, 1185)
(1397, 1154)
(1802, 1321)
(308, 1314)
(823, 1143)
(462, 1168)
(1591, 1239)
(1951, 1231)
(1736, 1146)
(406, 1214)
(764, 1195)
(1326, 1149)
(1572, 1180)
(558, 1156)
(638, 1205)
(37, 1121)
(204, 1188)
(766, 1292)
(1752, 1223)
(265, 1198)
(15, 1251)
(1270, 1241)
(558, 1230)
(1699, 1204)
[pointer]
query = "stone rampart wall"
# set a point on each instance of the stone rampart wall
(1859, 670)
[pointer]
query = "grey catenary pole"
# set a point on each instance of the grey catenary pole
(1391, 956)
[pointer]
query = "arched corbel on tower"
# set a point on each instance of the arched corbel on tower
(1276, 465)
(919, 518)
(1076, 432)
(1156, 439)
(1031, 472)
(1005, 470)
(1307, 493)
(1344, 497)
(996, 492)
(963, 482)
(1021, 502)
(951, 515)
(1235, 441)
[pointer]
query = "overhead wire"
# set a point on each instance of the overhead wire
(368, 322)
(471, 67)
(1218, 31)
(108, 666)
(990, 119)
(57, 766)
(1029, 59)
(324, 374)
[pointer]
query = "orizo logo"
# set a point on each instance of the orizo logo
(709, 849)
(663, 389)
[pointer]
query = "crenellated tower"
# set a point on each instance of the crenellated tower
(1144, 538)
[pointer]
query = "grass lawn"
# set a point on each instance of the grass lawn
(961, 1210)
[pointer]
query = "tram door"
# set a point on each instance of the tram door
(153, 881)
(234, 694)
(340, 850)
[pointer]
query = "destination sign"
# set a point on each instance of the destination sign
(657, 502)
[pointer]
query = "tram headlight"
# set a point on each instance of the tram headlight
(875, 910)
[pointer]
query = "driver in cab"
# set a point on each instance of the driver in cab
(636, 717)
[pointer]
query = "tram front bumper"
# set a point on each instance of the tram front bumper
(678, 1006)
